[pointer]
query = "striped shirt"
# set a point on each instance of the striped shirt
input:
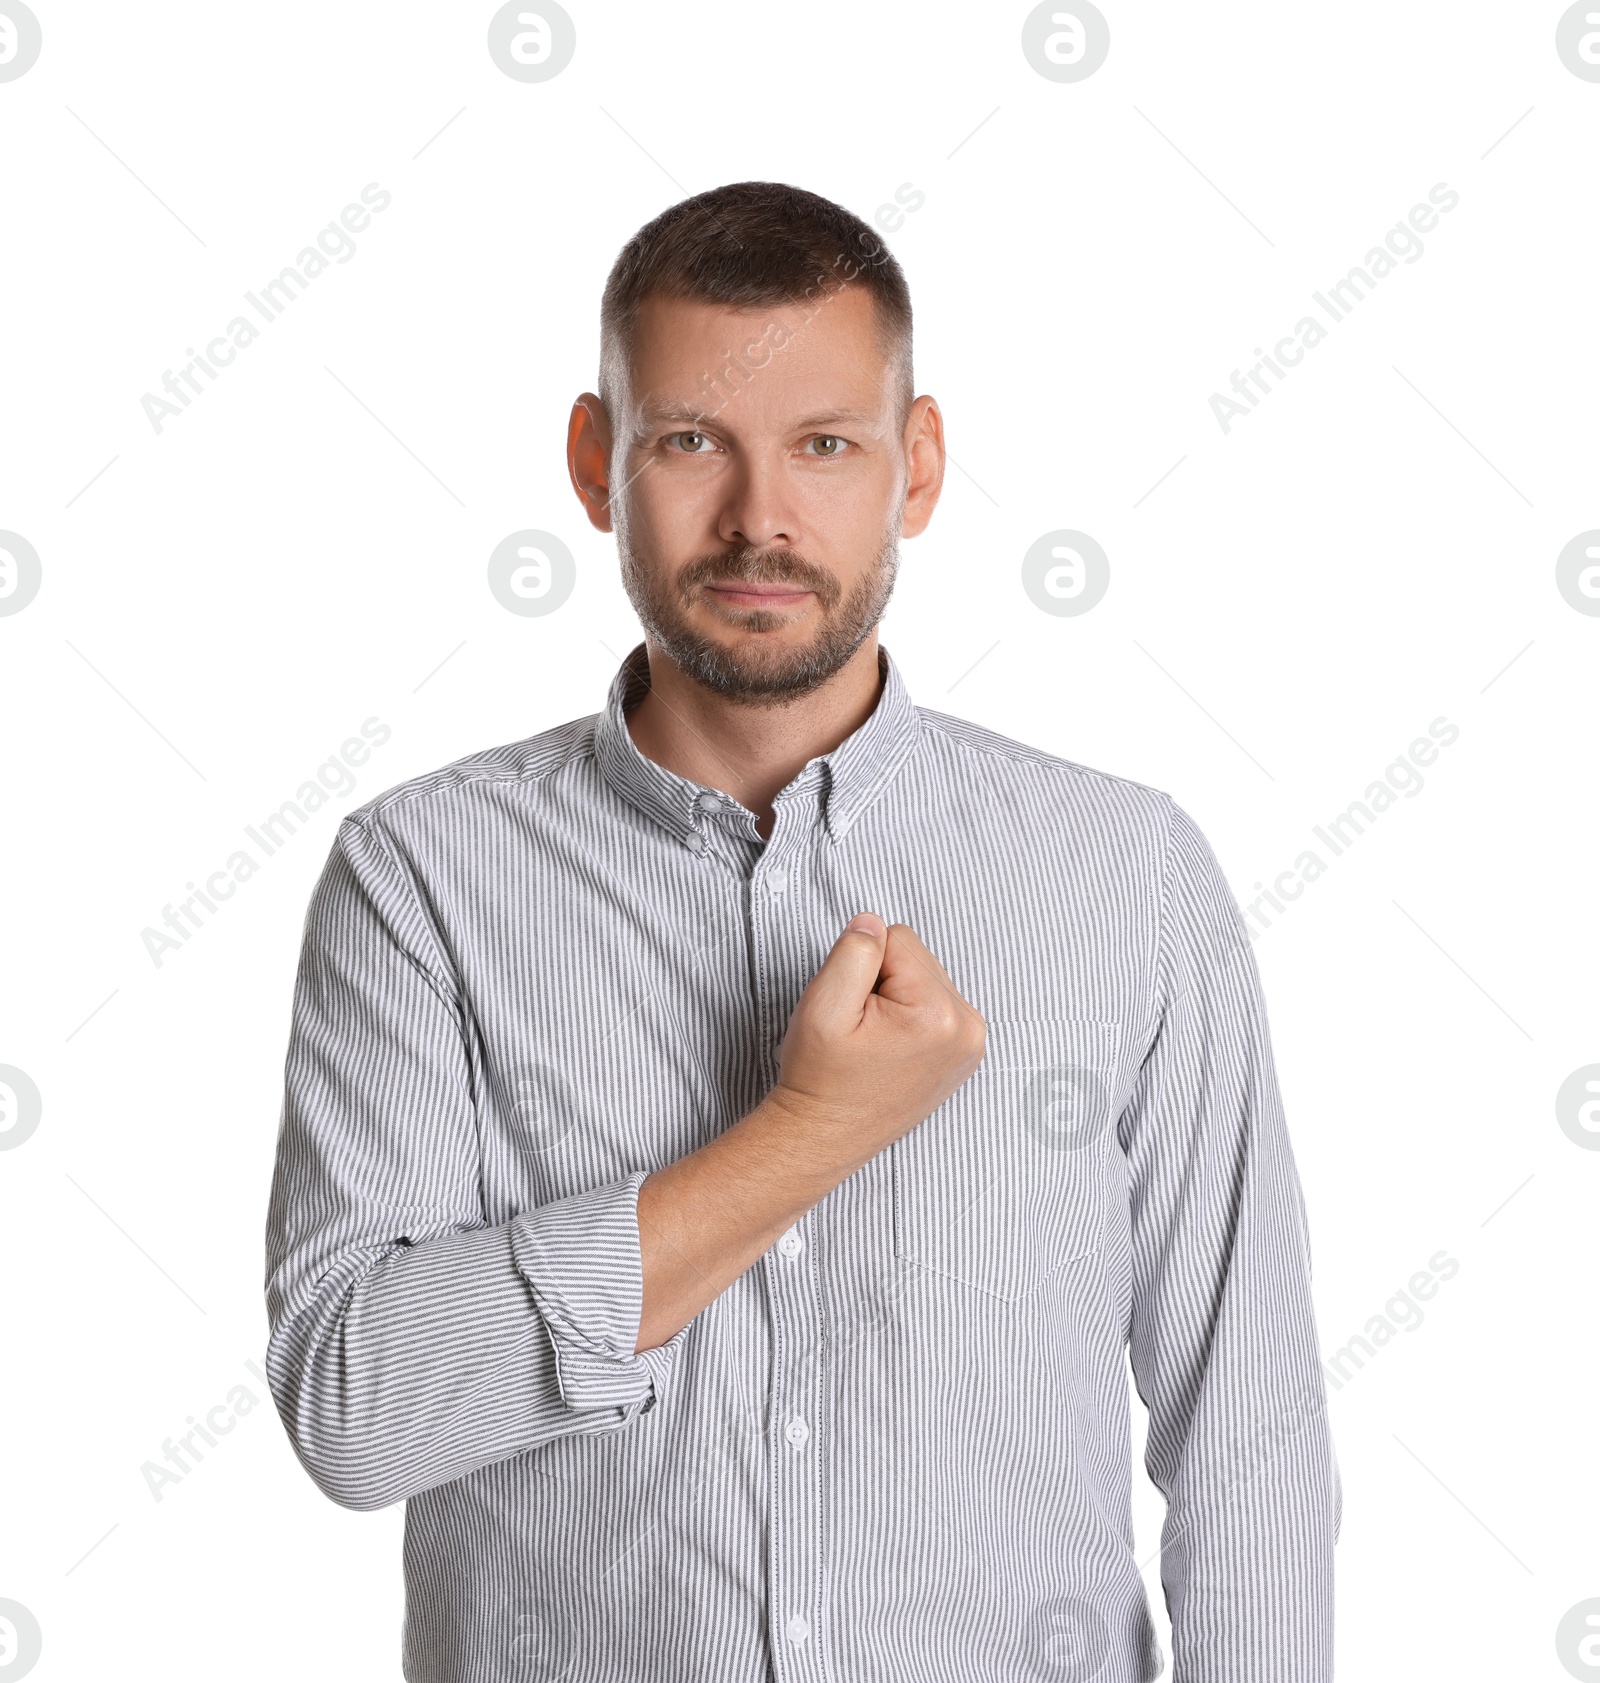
(898, 1446)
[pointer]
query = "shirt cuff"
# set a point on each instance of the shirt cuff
(581, 1259)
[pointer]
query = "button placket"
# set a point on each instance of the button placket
(795, 1401)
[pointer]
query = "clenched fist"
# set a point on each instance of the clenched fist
(879, 1039)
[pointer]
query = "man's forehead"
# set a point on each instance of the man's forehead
(818, 360)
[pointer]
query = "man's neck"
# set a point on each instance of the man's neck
(749, 752)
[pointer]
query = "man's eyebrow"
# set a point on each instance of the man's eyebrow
(833, 417)
(653, 414)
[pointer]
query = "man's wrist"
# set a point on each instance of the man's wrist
(821, 1141)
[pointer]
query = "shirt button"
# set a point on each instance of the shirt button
(797, 1630)
(695, 842)
(791, 1244)
(797, 1431)
(777, 882)
(707, 802)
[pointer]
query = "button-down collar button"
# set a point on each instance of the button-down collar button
(797, 1630)
(695, 842)
(791, 1244)
(797, 1431)
(708, 802)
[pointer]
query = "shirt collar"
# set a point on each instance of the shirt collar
(852, 775)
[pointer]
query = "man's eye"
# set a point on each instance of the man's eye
(828, 445)
(690, 443)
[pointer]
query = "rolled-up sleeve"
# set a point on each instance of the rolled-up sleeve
(1223, 1341)
(410, 1343)
(591, 1310)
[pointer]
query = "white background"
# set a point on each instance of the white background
(1291, 603)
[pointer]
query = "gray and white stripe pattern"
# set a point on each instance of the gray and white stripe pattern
(898, 1446)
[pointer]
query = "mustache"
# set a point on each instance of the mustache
(748, 565)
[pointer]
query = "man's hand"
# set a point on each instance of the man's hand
(879, 1039)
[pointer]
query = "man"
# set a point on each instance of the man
(734, 1143)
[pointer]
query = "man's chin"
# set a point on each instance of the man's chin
(758, 666)
(756, 628)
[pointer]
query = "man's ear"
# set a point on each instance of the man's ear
(924, 447)
(589, 458)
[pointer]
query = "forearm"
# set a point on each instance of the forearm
(706, 1218)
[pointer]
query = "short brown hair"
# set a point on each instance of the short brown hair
(752, 243)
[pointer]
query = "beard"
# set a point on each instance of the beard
(759, 673)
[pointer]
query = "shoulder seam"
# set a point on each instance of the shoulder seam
(436, 781)
(1160, 921)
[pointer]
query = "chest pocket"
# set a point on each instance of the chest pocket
(1004, 1182)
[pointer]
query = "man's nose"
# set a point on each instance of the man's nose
(757, 511)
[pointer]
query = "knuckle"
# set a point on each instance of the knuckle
(948, 1022)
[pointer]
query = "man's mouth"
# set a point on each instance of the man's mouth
(738, 594)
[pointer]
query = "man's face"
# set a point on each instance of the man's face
(757, 486)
